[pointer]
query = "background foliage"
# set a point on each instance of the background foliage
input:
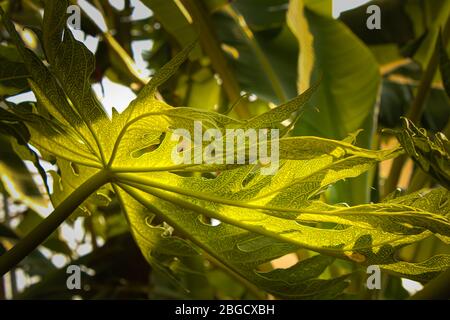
(250, 57)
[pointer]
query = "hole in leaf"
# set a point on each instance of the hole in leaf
(249, 177)
(149, 221)
(149, 148)
(75, 169)
(208, 221)
(285, 261)
(210, 175)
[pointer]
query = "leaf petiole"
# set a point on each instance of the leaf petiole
(32, 240)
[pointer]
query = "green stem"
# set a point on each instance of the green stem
(419, 180)
(436, 289)
(126, 60)
(38, 235)
(418, 106)
(266, 66)
(29, 5)
(143, 183)
(213, 50)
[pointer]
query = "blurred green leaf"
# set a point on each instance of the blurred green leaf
(444, 66)
(13, 74)
(16, 178)
(430, 152)
(349, 84)
(176, 20)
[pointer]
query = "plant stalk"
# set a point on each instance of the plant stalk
(436, 289)
(213, 50)
(266, 66)
(38, 235)
(419, 180)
